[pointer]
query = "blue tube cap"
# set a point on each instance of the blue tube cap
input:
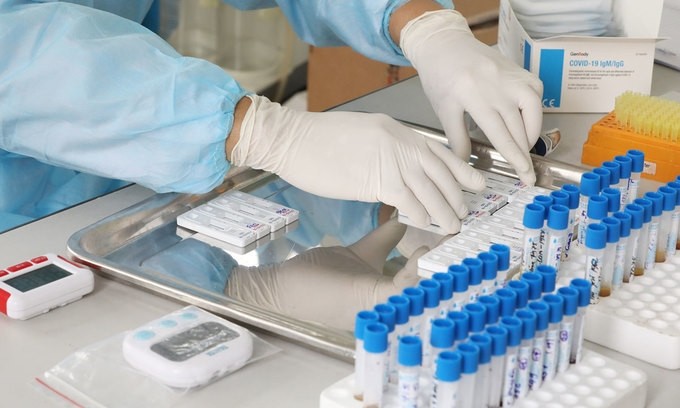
(442, 334)
(363, 319)
(558, 217)
(535, 282)
(571, 298)
(613, 229)
(387, 315)
(657, 202)
(401, 306)
(613, 196)
(528, 319)
(514, 327)
(583, 288)
(461, 324)
(626, 164)
(483, 341)
(598, 207)
(596, 236)
(503, 252)
(614, 170)
(675, 186)
(432, 288)
(449, 366)
(560, 197)
(534, 216)
(636, 213)
(670, 196)
(646, 208)
(410, 351)
(416, 297)
(508, 301)
(475, 267)
(638, 160)
(549, 275)
(522, 289)
(375, 338)
(445, 283)
(499, 339)
(493, 308)
(545, 201)
(625, 219)
(605, 177)
(470, 353)
(489, 265)
(541, 309)
(477, 312)
(461, 278)
(591, 185)
(555, 307)
(573, 192)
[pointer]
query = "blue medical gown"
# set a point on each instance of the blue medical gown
(85, 87)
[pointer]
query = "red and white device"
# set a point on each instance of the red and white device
(41, 284)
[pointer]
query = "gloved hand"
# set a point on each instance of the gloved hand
(460, 74)
(357, 156)
(328, 285)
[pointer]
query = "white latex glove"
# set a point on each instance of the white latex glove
(328, 285)
(459, 73)
(357, 156)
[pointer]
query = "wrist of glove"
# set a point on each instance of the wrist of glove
(460, 74)
(357, 156)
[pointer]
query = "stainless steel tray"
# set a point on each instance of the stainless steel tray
(115, 245)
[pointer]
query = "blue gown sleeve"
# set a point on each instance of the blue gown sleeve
(98, 93)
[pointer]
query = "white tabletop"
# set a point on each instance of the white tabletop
(292, 378)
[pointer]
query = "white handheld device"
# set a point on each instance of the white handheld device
(38, 285)
(188, 348)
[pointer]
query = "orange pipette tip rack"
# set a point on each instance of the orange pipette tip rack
(640, 122)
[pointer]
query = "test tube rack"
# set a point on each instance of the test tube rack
(596, 381)
(641, 318)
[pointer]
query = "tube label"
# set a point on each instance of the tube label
(550, 360)
(570, 235)
(673, 235)
(522, 375)
(593, 273)
(582, 220)
(408, 388)
(619, 262)
(509, 380)
(555, 248)
(564, 347)
(651, 245)
(536, 367)
(532, 248)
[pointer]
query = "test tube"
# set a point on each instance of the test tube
(596, 241)
(538, 351)
(503, 253)
(558, 221)
(621, 248)
(614, 168)
(446, 378)
(461, 325)
(668, 207)
(589, 187)
(493, 308)
(482, 382)
(555, 311)
(430, 312)
(583, 288)
(573, 193)
(613, 196)
(652, 248)
(672, 244)
(489, 272)
(546, 202)
(416, 307)
(474, 265)
(528, 319)
(461, 282)
(534, 215)
(499, 344)
(446, 294)
(410, 359)
(637, 215)
(597, 210)
(363, 319)
(375, 347)
(570, 296)
(549, 277)
(626, 164)
(607, 272)
(535, 282)
(643, 239)
(441, 339)
(387, 315)
(638, 164)
(605, 177)
(522, 289)
(514, 327)
(401, 307)
(477, 313)
(470, 353)
(508, 301)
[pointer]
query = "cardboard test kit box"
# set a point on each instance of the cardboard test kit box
(586, 74)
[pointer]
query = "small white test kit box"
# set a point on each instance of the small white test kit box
(586, 74)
